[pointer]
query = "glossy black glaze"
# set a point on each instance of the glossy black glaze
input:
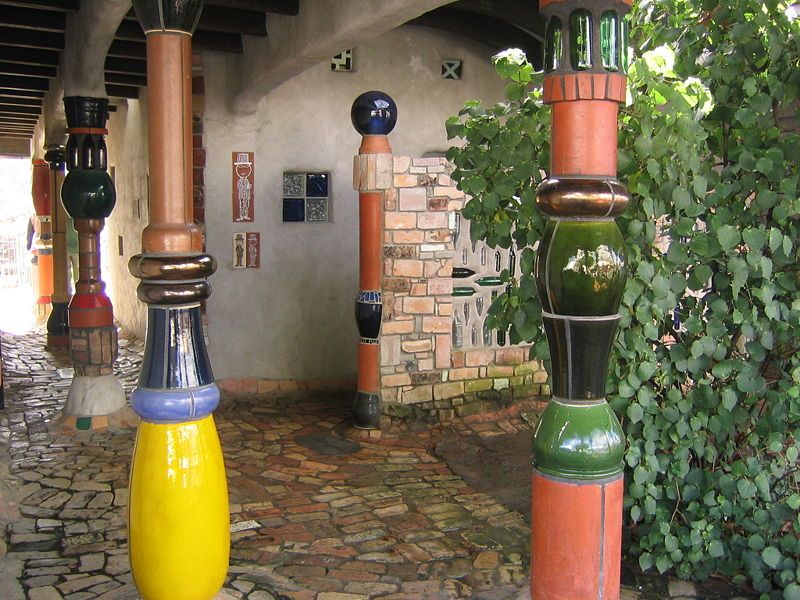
(579, 351)
(367, 409)
(172, 15)
(374, 113)
(368, 318)
(56, 157)
(58, 321)
(86, 151)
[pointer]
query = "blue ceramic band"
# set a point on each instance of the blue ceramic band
(175, 405)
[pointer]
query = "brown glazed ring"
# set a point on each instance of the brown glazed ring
(582, 198)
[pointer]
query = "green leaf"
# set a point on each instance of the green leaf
(716, 549)
(771, 556)
(728, 237)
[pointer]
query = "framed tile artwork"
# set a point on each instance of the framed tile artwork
(306, 197)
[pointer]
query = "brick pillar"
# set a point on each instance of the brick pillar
(58, 323)
(89, 197)
(578, 444)
(374, 115)
(178, 514)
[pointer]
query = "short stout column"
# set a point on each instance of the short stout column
(58, 323)
(580, 271)
(374, 115)
(178, 513)
(88, 195)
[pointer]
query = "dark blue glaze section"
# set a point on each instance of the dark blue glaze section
(175, 406)
(317, 185)
(374, 113)
(368, 318)
(180, 15)
(294, 210)
(175, 352)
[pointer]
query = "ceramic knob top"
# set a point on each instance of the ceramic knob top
(374, 113)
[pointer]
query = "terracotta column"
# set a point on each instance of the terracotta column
(580, 270)
(89, 197)
(374, 115)
(58, 323)
(43, 243)
(178, 516)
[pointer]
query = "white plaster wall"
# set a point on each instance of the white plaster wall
(127, 155)
(293, 317)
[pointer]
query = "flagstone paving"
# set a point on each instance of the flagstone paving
(316, 512)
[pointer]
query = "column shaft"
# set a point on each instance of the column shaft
(373, 115)
(58, 323)
(178, 522)
(577, 482)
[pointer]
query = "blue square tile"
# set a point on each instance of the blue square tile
(317, 185)
(294, 210)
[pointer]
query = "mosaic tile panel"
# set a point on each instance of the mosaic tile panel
(306, 197)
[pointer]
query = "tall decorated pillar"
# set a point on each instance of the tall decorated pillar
(89, 197)
(580, 270)
(43, 244)
(58, 322)
(178, 521)
(374, 115)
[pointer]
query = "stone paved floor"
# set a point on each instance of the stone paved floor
(316, 514)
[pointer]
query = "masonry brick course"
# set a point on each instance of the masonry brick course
(419, 365)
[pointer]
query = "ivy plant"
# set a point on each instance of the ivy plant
(705, 374)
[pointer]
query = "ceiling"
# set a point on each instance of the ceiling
(32, 37)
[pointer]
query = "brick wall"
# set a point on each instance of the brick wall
(419, 364)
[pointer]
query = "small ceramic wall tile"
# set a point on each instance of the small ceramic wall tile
(294, 210)
(294, 184)
(343, 62)
(451, 69)
(316, 209)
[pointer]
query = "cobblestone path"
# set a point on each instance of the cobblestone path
(316, 514)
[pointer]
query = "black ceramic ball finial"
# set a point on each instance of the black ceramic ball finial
(374, 113)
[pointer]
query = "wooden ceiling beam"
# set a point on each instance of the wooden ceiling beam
(277, 7)
(28, 56)
(115, 64)
(494, 33)
(6, 91)
(241, 21)
(13, 101)
(29, 38)
(520, 13)
(21, 110)
(220, 42)
(18, 82)
(128, 49)
(57, 5)
(28, 18)
(7, 68)
(12, 118)
(126, 79)
(122, 91)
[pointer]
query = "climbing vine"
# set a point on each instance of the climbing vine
(705, 374)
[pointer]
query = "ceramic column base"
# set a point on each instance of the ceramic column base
(367, 409)
(94, 396)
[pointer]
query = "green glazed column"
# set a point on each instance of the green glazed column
(580, 270)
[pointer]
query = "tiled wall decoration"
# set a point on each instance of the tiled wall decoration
(451, 69)
(306, 197)
(477, 270)
(343, 62)
(243, 182)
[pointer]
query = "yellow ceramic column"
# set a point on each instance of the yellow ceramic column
(178, 515)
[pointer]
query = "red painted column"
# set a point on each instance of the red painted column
(374, 115)
(577, 482)
(43, 244)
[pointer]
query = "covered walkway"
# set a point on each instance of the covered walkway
(315, 513)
